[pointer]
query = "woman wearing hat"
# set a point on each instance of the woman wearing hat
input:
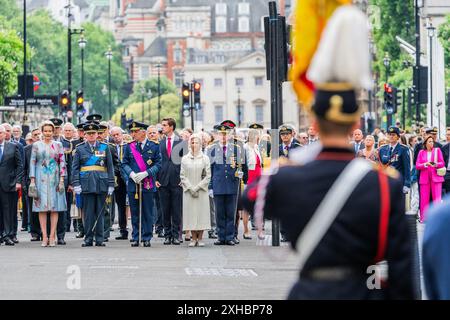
(195, 176)
(429, 160)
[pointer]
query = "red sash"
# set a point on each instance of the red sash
(148, 182)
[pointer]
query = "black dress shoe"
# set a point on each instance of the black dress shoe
(167, 241)
(160, 235)
(79, 235)
(230, 243)
(219, 243)
(8, 242)
(61, 242)
(106, 240)
(135, 243)
(212, 235)
(236, 241)
(87, 244)
(122, 237)
(147, 244)
(14, 239)
(100, 244)
(35, 239)
(176, 242)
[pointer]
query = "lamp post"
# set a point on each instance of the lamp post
(142, 99)
(239, 106)
(387, 63)
(431, 34)
(149, 96)
(159, 92)
(109, 56)
(104, 92)
(82, 44)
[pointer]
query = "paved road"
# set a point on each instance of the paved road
(246, 271)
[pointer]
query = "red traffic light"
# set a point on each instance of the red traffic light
(387, 88)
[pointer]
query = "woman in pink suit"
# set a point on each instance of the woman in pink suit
(428, 161)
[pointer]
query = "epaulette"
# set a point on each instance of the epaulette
(75, 149)
(111, 144)
(79, 144)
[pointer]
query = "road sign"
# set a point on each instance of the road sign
(36, 83)
(7, 108)
(42, 101)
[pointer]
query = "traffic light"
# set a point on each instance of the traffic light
(80, 98)
(197, 87)
(185, 96)
(389, 99)
(64, 100)
(397, 99)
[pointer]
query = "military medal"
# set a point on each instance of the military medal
(149, 162)
(102, 163)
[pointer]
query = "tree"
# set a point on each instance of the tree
(444, 35)
(166, 87)
(170, 107)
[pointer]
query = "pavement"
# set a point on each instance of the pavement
(244, 272)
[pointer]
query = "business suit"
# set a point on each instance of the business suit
(120, 196)
(16, 194)
(11, 171)
(357, 146)
(446, 154)
(33, 217)
(170, 191)
(429, 180)
(284, 151)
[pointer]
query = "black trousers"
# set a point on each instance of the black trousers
(25, 213)
(159, 220)
(7, 214)
(69, 200)
(120, 197)
(171, 204)
(35, 227)
(92, 210)
(14, 213)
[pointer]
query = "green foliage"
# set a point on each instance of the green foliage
(170, 107)
(444, 36)
(166, 87)
(397, 19)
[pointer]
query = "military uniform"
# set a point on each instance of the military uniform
(226, 166)
(120, 195)
(283, 150)
(140, 157)
(397, 157)
(93, 171)
(78, 222)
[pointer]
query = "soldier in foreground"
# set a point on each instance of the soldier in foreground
(342, 215)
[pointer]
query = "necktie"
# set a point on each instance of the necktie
(286, 150)
(1, 152)
(139, 146)
(169, 146)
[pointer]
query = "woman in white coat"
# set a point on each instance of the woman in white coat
(195, 176)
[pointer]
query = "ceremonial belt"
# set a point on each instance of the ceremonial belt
(93, 168)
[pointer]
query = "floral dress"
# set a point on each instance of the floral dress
(47, 166)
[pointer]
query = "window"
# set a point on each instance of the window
(220, 58)
(218, 114)
(218, 82)
(178, 76)
(221, 24)
(239, 82)
(144, 72)
(259, 113)
(177, 55)
(221, 9)
(259, 81)
(240, 113)
(244, 8)
(244, 24)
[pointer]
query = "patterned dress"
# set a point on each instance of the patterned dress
(47, 165)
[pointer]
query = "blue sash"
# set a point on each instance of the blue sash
(93, 159)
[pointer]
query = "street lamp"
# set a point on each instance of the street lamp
(82, 44)
(109, 56)
(431, 34)
(387, 63)
(239, 106)
(159, 91)
(142, 96)
(149, 96)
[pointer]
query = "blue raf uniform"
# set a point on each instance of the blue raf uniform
(134, 173)
(93, 177)
(397, 157)
(226, 168)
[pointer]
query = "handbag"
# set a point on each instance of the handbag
(32, 192)
(440, 171)
(75, 212)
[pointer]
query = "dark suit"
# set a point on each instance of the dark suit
(116, 164)
(170, 191)
(11, 173)
(120, 196)
(283, 152)
(446, 153)
(16, 194)
(21, 141)
(356, 147)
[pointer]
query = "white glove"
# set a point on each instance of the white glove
(405, 189)
(211, 193)
(77, 189)
(110, 191)
(141, 176)
(133, 176)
